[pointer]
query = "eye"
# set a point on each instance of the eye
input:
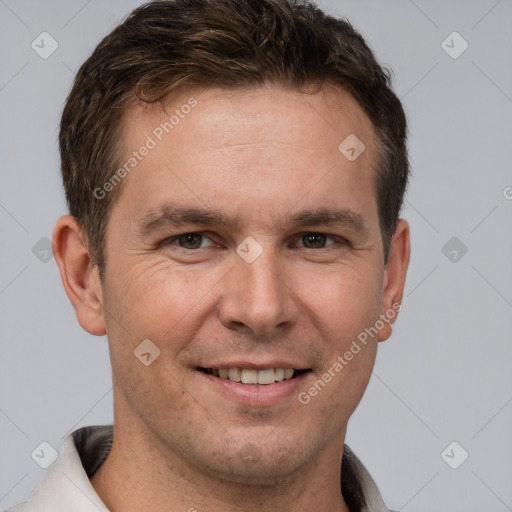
(315, 240)
(191, 241)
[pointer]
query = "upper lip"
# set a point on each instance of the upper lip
(254, 365)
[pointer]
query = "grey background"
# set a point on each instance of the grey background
(446, 373)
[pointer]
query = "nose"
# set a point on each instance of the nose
(258, 297)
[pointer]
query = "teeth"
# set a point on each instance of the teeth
(288, 373)
(252, 376)
(267, 376)
(235, 374)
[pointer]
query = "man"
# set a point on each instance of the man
(234, 171)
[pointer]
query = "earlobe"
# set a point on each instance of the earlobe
(394, 277)
(79, 275)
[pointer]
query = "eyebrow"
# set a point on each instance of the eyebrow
(330, 217)
(169, 214)
(173, 215)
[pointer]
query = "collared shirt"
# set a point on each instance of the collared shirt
(66, 485)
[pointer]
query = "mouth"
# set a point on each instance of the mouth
(253, 376)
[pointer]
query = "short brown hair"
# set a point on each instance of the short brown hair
(167, 45)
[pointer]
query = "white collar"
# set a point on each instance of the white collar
(66, 486)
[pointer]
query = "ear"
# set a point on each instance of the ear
(394, 277)
(79, 275)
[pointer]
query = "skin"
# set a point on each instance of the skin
(257, 155)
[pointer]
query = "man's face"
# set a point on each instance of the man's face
(181, 271)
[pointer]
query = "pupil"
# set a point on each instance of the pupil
(314, 240)
(190, 241)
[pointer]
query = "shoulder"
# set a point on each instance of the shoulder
(65, 485)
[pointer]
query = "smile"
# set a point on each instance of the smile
(253, 376)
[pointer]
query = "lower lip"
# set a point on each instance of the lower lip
(258, 395)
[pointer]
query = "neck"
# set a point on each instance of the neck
(140, 474)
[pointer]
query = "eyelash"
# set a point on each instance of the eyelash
(336, 239)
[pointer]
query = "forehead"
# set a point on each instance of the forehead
(244, 148)
(332, 108)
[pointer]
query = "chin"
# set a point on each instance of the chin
(254, 463)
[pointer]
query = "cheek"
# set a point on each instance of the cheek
(346, 303)
(346, 300)
(152, 299)
(167, 306)
(148, 304)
